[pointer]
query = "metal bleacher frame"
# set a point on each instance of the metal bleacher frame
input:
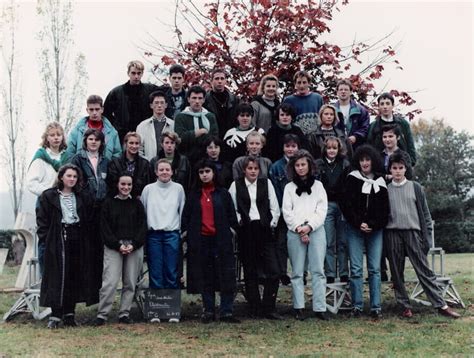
(338, 297)
(29, 300)
(450, 294)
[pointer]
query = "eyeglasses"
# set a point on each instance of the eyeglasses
(202, 171)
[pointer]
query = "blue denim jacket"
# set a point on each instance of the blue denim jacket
(94, 186)
(277, 175)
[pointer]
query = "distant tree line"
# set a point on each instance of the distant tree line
(446, 170)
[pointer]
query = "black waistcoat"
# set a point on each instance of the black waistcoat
(263, 201)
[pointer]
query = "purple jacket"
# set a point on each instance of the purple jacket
(358, 122)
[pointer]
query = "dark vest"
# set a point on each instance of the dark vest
(263, 201)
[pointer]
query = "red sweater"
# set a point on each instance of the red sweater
(208, 227)
(95, 124)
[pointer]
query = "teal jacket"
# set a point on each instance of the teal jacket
(112, 142)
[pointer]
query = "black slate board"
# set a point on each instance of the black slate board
(162, 303)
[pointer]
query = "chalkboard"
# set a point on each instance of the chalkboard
(162, 303)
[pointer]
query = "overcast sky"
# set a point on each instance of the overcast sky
(436, 49)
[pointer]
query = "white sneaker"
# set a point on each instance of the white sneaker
(174, 320)
(155, 320)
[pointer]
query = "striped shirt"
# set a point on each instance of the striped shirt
(68, 208)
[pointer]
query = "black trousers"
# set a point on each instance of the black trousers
(259, 257)
(282, 246)
(401, 243)
(211, 279)
(72, 272)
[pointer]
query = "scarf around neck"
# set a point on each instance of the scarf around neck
(369, 183)
(303, 185)
(196, 116)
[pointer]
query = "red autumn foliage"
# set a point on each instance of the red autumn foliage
(256, 37)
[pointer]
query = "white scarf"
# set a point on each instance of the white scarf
(369, 183)
(196, 116)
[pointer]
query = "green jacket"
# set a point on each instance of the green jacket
(405, 142)
(192, 146)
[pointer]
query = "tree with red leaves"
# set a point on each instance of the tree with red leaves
(256, 37)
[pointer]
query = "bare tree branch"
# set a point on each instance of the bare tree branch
(13, 157)
(63, 74)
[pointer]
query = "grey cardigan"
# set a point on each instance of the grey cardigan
(426, 223)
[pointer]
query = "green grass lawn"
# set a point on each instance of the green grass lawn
(426, 335)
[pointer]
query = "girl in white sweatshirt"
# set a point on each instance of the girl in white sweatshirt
(304, 209)
(44, 167)
(43, 170)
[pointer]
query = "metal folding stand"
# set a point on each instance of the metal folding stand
(239, 268)
(28, 302)
(337, 297)
(29, 299)
(337, 293)
(142, 285)
(450, 294)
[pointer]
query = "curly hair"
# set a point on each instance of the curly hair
(367, 151)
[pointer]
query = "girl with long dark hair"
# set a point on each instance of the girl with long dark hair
(62, 219)
(208, 222)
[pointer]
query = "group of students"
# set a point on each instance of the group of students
(302, 186)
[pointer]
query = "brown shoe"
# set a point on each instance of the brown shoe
(448, 312)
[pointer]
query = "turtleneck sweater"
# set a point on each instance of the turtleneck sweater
(164, 203)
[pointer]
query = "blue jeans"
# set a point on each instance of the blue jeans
(162, 258)
(336, 242)
(372, 243)
(314, 252)
(41, 250)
